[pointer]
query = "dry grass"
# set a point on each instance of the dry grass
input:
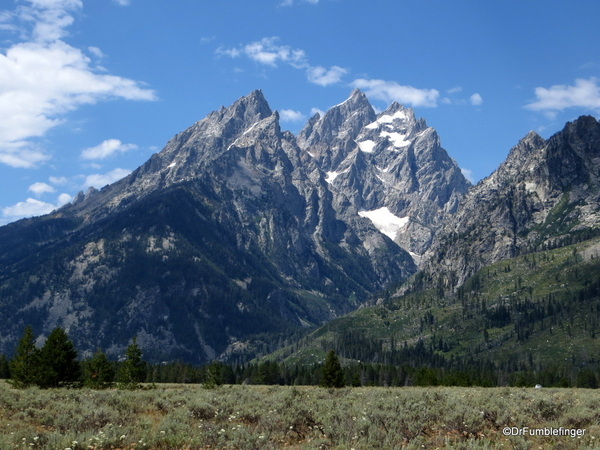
(273, 417)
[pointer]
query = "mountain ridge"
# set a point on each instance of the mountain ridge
(225, 242)
(238, 236)
(544, 189)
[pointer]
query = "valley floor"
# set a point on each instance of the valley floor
(273, 417)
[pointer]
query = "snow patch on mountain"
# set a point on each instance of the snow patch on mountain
(367, 146)
(387, 119)
(386, 222)
(398, 140)
(333, 175)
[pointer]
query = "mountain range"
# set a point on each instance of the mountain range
(239, 237)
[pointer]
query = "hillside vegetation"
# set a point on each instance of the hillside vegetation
(537, 312)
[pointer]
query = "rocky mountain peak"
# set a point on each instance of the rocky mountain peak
(544, 190)
(393, 171)
(517, 158)
(251, 108)
(330, 138)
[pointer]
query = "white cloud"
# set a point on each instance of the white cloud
(44, 78)
(207, 39)
(96, 52)
(41, 188)
(390, 91)
(100, 180)
(321, 76)
(20, 154)
(288, 115)
(269, 52)
(287, 3)
(60, 181)
(122, 2)
(454, 90)
(468, 174)
(291, 2)
(32, 207)
(585, 94)
(231, 52)
(63, 199)
(314, 111)
(476, 100)
(106, 148)
(28, 208)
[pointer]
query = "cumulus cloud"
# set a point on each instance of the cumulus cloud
(321, 76)
(268, 51)
(106, 148)
(32, 207)
(44, 78)
(60, 181)
(100, 180)
(390, 91)
(476, 99)
(41, 188)
(585, 94)
(288, 115)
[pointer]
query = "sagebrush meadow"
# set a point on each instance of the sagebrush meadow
(271, 417)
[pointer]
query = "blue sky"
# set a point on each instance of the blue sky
(89, 89)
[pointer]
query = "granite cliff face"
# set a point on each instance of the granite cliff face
(546, 192)
(235, 235)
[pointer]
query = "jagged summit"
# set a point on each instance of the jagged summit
(237, 228)
(250, 109)
(331, 136)
(544, 190)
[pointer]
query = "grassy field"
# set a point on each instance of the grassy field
(273, 417)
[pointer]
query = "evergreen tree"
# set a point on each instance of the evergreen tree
(586, 379)
(58, 361)
(333, 376)
(133, 370)
(213, 376)
(4, 372)
(24, 365)
(98, 371)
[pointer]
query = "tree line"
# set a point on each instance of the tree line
(56, 365)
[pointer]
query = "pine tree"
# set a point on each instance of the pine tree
(58, 361)
(4, 372)
(24, 366)
(333, 376)
(98, 371)
(586, 379)
(213, 377)
(133, 370)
